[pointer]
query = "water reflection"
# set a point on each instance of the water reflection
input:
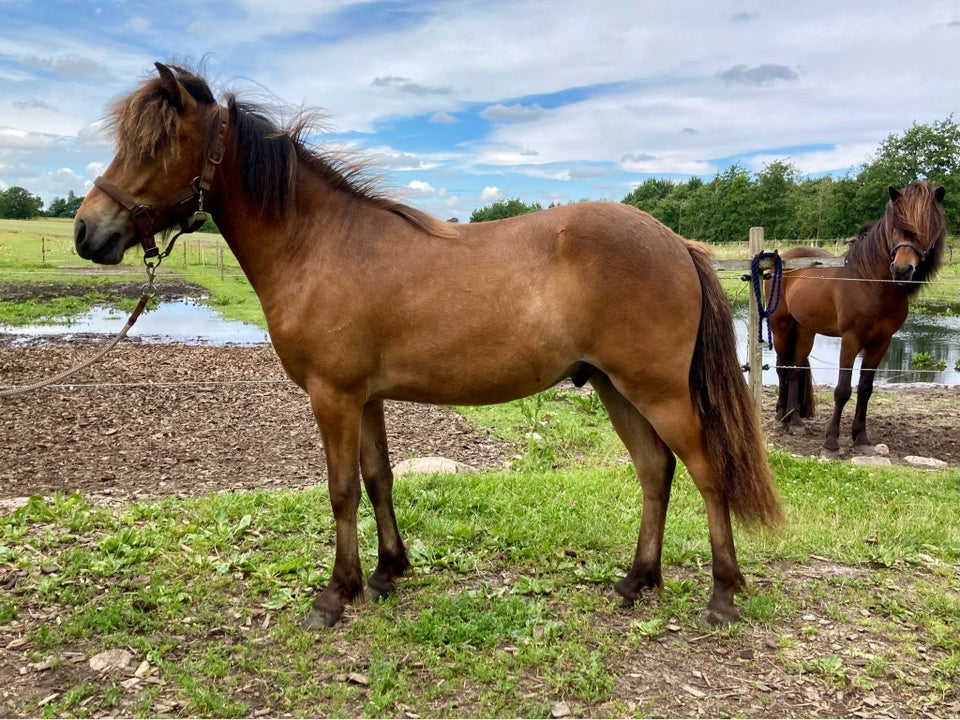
(936, 335)
(178, 321)
(190, 323)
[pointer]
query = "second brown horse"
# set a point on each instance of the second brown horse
(863, 303)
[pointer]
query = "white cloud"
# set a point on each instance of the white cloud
(94, 169)
(74, 66)
(14, 138)
(513, 113)
(419, 188)
(759, 75)
(491, 194)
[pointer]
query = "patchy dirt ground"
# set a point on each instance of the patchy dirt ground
(152, 420)
(160, 420)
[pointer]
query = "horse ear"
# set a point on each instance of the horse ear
(894, 193)
(175, 92)
(939, 193)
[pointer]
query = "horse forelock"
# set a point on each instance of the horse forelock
(145, 124)
(915, 212)
(918, 213)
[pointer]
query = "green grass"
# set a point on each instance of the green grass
(511, 568)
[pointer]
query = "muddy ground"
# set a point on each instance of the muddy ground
(159, 420)
(151, 420)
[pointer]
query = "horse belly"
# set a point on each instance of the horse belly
(478, 365)
(811, 304)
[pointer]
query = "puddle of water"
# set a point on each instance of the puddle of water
(177, 321)
(190, 323)
(937, 335)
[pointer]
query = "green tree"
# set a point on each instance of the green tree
(776, 196)
(18, 204)
(648, 194)
(921, 152)
(503, 209)
(723, 209)
(64, 208)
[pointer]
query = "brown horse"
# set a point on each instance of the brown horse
(367, 299)
(863, 303)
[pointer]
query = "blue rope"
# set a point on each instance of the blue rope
(765, 310)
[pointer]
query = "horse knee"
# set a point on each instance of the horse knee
(841, 394)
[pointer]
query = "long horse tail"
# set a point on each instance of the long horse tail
(728, 417)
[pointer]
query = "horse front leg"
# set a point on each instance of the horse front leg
(339, 420)
(868, 370)
(392, 560)
(841, 394)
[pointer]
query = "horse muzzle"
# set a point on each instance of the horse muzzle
(904, 258)
(102, 242)
(902, 273)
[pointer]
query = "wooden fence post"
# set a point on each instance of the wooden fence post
(755, 352)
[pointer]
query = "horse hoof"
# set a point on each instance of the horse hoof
(865, 450)
(622, 600)
(715, 618)
(372, 594)
(828, 454)
(796, 429)
(318, 619)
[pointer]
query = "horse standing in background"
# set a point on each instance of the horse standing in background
(368, 300)
(863, 303)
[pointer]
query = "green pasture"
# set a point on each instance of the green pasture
(42, 251)
(506, 612)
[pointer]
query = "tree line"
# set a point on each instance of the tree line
(17, 203)
(787, 204)
(723, 209)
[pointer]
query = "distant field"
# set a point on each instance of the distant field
(42, 249)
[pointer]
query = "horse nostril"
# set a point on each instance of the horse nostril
(79, 232)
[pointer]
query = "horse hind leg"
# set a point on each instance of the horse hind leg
(675, 422)
(654, 464)
(392, 560)
(795, 396)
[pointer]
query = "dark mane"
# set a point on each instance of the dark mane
(145, 125)
(916, 212)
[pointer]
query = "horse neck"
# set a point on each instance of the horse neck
(869, 256)
(274, 250)
(254, 239)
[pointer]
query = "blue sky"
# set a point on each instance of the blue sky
(463, 102)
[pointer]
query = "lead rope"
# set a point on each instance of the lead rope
(773, 302)
(148, 292)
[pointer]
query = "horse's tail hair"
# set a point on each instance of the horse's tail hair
(728, 418)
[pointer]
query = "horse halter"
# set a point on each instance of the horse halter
(921, 252)
(150, 219)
